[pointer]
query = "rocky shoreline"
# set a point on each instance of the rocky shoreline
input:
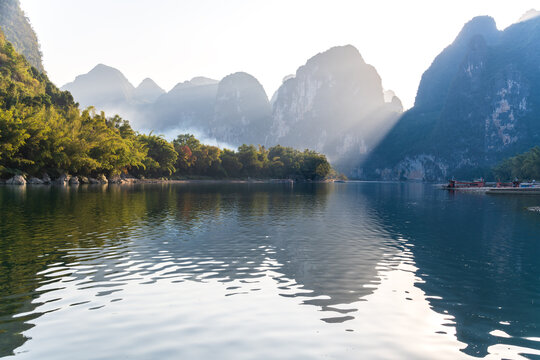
(75, 180)
(66, 179)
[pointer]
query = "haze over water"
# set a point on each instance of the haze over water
(273, 271)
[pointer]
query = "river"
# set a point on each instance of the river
(267, 271)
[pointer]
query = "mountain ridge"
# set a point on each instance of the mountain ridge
(480, 112)
(334, 103)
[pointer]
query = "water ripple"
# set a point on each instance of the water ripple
(309, 272)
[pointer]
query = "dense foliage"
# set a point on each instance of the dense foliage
(196, 159)
(522, 166)
(43, 130)
(19, 32)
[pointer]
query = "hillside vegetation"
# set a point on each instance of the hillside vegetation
(43, 130)
(523, 166)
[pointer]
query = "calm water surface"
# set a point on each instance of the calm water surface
(267, 271)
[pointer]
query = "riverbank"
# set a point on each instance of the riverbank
(67, 180)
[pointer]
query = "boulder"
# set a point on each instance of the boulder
(84, 180)
(93, 181)
(102, 179)
(62, 179)
(35, 181)
(46, 178)
(16, 180)
(74, 180)
(115, 179)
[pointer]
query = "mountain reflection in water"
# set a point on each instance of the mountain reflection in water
(233, 267)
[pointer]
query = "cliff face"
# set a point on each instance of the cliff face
(334, 104)
(19, 32)
(477, 104)
(242, 112)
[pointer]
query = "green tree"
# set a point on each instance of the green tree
(161, 156)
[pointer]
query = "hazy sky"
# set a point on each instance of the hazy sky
(174, 40)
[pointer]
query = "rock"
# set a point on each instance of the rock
(16, 180)
(102, 179)
(128, 178)
(74, 180)
(46, 178)
(93, 181)
(534, 209)
(115, 179)
(62, 179)
(84, 180)
(35, 181)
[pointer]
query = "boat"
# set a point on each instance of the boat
(455, 184)
(479, 184)
(532, 184)
(524, 188)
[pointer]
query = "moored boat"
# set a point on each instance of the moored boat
(479, 185)
(455, 184)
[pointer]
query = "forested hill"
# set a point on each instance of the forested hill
(42, 131)
(19, 32)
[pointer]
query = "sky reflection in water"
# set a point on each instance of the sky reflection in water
(267, 271)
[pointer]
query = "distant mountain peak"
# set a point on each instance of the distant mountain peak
(102, 67)
(149, 84)
(337, 54)
(480, 25)
(147, 91)
(242, 112)
(241, 76)
(201, 80)
(105, 71)
(101, 85)
(531, 14)
(196, 81)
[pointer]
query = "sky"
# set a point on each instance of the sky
(172, 41)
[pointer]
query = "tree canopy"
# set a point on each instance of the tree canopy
(522, 166)
(43, 130)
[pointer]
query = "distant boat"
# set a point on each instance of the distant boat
(455, 184)
(531, 184)
(480, 184)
